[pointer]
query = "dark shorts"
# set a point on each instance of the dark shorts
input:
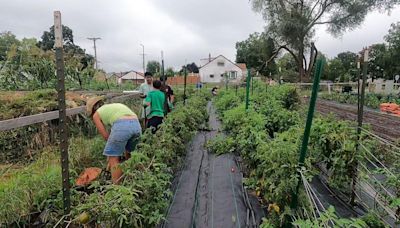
(154, 122)
(124, 136)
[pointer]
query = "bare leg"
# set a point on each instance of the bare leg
(116, 172)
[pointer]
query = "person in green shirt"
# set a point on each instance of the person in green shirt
(155, 100)
(123, 136)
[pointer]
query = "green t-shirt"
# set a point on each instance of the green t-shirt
(156, 98)
(109, 113)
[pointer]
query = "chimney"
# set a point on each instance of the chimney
(209, 57)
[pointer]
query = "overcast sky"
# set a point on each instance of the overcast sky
(186, 30)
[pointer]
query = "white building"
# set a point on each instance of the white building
(131, 77)
(215, 70)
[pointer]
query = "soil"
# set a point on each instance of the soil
(385, 125)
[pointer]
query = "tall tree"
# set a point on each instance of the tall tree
(153, 67)
(378, 61)
(393, 40)
(48, 38)
(190, 67)
(292, 23)
(7, 39)
(255, 51)
(169, 72)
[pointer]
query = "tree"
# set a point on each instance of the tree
(169, 72)
(255, 51)
(349, 64)
(7, 39)
(393, 51)
(191, 68)
(291, 23)
(48, 38)
(378, 61)
(153, 66)
(336, 71)
(342, 68)
(71, 50)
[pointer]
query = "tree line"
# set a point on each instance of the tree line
(290, 27)
(28, 63)
(154, 67)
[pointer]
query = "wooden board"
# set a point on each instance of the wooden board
(43, 117)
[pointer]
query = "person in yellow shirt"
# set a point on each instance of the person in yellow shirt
(124, 135)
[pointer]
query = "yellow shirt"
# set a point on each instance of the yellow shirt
(109, 113)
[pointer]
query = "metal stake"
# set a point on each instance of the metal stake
(307, 130)
(361, 99)
(247, 88)
(184, 86)
(62, 114)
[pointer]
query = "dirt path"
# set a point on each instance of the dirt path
(384, 125)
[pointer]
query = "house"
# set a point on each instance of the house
(217, 69)
(131, 77)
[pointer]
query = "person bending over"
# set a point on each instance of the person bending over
(123, 136)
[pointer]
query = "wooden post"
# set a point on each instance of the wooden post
(62, 115)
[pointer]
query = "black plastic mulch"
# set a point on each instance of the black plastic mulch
(209, 190)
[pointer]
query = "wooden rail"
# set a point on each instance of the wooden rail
(43, 117)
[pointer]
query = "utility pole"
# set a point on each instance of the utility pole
(144, 63)
(94, 39)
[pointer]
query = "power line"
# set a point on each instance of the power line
(94, 46)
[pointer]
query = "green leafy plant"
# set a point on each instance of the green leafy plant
(221, 144)
(329, 218)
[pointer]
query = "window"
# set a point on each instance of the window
(221, 64)
(211, 76)
(233, 75)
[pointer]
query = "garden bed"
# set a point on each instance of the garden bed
(140, 201)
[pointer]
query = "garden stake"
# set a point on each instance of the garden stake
(311, 109)
(247, 89)
(62, 115)
(252, 85)
(361, 98)
(184, 87)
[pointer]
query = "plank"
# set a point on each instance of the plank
(38, 118)
(43, 117)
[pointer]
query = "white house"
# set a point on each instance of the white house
(215, 70)
(131, 77)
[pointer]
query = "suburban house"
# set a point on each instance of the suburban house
(220, 68)
(131, 77)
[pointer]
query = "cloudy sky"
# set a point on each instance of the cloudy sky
(185, 30)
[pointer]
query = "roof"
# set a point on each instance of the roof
(213, 59)
(133, 75)
(121, 74)
(242, 66)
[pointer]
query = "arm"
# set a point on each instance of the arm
(141, 91)
(100, 126)
(147, 102)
